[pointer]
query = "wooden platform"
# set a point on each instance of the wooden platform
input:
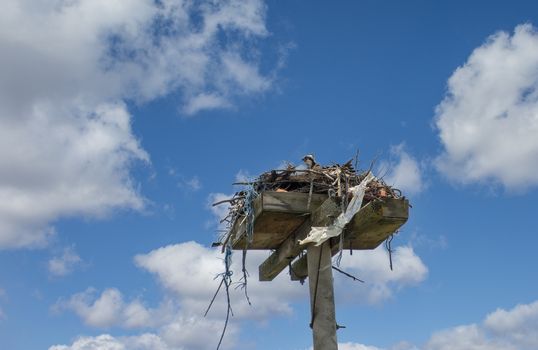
(276, 216)
(279, 214)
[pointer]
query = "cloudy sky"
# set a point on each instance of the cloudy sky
(121, 121)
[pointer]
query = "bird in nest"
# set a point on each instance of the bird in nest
(310, 162)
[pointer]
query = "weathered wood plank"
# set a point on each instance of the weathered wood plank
(299, 269)
(375, 222)
(368, 229)
(271, 229)
(290, 248)
(290, 202)
(276, 213)
(321, 287)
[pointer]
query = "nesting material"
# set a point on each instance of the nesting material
(260, 200)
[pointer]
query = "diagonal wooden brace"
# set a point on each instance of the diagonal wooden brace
(290, 248)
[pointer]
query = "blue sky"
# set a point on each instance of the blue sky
(120, 122)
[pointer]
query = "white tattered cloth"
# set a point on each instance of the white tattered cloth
(318, 235)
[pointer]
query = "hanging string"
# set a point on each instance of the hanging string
(243, 281)
(248, 211)
(388, 246)
(226, 280)
(340, 249)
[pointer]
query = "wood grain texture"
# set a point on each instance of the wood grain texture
(290, 248)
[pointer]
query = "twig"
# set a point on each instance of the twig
(214, 297)
(227, 200)
(310, 194)
(348, 274)
(373, 162)
(356, 159)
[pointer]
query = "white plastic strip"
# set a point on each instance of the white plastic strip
(318, 235)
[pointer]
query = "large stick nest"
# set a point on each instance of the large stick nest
(333, 180)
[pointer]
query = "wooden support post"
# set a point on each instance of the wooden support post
(368, 229)
(322, 297)
(290, 248)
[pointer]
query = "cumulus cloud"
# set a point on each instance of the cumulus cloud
(176, 328)
(205, 101)
(502, 329)
(192, 184)
(68, 69)
(182, 335)
(488, 120)
(107, 342)
(194, 283)
(179, 320)
(372, 266)
(54, 164)
(64, 264)
(515, 329)
(186, 272)
(219, 211)
(518, 325)
(198, 333)
(356, 346)
(191, 283)
(469, 337)
(404, 171)
(110, 309)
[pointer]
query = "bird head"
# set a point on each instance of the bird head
(309, 160)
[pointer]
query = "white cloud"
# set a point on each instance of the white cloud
(69, 67)
(418, 239)
(404, 172)
(488, 120)
(219, 211)
(64, 264)
(502, 329)
(353, 346)
(356, 346)
(146, 341)
(183, 334)
(198, 333)
(192, 184)
(205, 102)
(62, 166)
(187, 273)
(517, 326)
(373, 267)
(244, 176)
(194, 282)
(176, 327)
(469, 337)
(180, 323)
(515, 329)
(403, 345)
(110, 309)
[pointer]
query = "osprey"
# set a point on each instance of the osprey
(311, 162)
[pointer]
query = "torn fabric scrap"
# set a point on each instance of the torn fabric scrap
(318, 235)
